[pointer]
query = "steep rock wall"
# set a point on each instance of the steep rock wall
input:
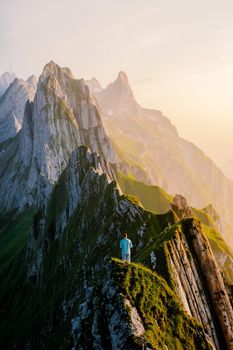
(199, 283)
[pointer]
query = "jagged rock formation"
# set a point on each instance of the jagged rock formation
(12, 105)
(5, 80)
(222, 252)
(118, 98)
(181, 208)
(94, 85)
(62, 117)
(145, 139)
(85, 178)
(195, 269)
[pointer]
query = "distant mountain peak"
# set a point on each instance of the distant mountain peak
(122, 77)
(94, 80)
(32, 80)
(68, 71)
(5, 80)
(122, 82)
(7, 76)
(94, 85)
(118, 97)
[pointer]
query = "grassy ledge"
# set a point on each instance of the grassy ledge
(167, 325)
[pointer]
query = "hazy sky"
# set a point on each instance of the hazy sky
(178, 54)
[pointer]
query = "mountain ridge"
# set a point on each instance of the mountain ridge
(64, 214)
(146, 139)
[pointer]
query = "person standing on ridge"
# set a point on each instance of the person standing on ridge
(125, 247)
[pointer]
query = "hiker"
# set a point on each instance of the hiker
(125, 246)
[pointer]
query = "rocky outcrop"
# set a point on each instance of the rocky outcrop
(119, 314)
(189, 286)
(94, 86)
(222, 252)
(114, 323)
(181, 207)
(200, 285)
(218, 295)
(12, 105)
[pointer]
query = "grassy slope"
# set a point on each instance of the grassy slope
(154, 198)
(167, 325)
(219, 246)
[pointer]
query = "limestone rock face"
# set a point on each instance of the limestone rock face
(12, 105)
(85, 176)
(181, 207)
(119, 330)
(94, 86)
(5, 80)
(200, 284)
(215, 284)
(62, 117)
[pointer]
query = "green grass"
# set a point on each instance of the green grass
(164, 320)
(218, 245)
(204, 217)
(153, 198)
